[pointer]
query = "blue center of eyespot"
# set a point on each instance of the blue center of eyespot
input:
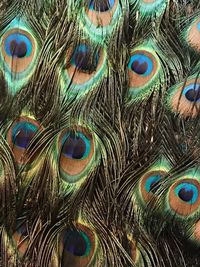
(76, 146)
(22, 134)
(102, 5)
(85, 58)
(152, 183)
(141, 64)
(18, 45)
(77, 243)
(187, 192)
(192, 92)
(198, 26)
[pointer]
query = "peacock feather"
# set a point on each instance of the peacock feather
(99, 133)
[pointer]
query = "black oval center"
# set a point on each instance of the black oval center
(23, 137)
(193, 95)
(75, 243)
(86, 60)
(74, 147)
(18, 49)
(186, 195)
(139, 68)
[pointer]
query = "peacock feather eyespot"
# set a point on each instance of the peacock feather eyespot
(184, 98)
(100, 13)
(184, 197)
(192, 34)
(77, 155)
(76, 146)
(77, 243)
(20, 135)
(21, 239)
(150, 184)
(144, 72)
(187, 192)
(141, 64)
(17, 45)
(18, 54)
(17, 50)
(99, 18)
(82, 60)
(78, 246)
(85, 68)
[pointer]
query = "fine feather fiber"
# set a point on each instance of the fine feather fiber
(99, 133)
